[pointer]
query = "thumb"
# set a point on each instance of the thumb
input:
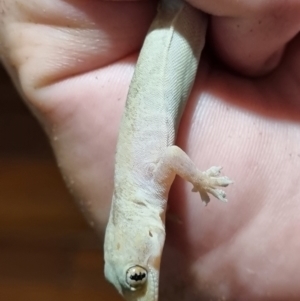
(251, 36)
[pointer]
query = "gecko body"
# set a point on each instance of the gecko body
(147, 159)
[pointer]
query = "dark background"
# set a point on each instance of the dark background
(47, 251)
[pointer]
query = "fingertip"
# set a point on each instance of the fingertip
(245, 46)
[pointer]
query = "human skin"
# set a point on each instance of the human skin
(72, 61)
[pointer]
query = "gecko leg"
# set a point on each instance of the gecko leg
(176, 161)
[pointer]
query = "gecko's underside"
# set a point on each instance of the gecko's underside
(147, 159)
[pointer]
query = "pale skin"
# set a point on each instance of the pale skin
(260, 154)
(147, 159)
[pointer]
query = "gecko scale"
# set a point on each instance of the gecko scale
(147, 159)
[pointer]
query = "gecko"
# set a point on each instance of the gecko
(147, 158)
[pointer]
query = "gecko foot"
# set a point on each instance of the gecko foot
(208, 181)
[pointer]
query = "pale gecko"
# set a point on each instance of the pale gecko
(147, 159)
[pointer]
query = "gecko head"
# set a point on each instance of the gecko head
(132, 260)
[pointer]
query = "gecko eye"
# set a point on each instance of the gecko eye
(136, 277)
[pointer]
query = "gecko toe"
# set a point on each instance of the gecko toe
(213, 171)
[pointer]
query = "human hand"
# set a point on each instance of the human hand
(73, 62)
